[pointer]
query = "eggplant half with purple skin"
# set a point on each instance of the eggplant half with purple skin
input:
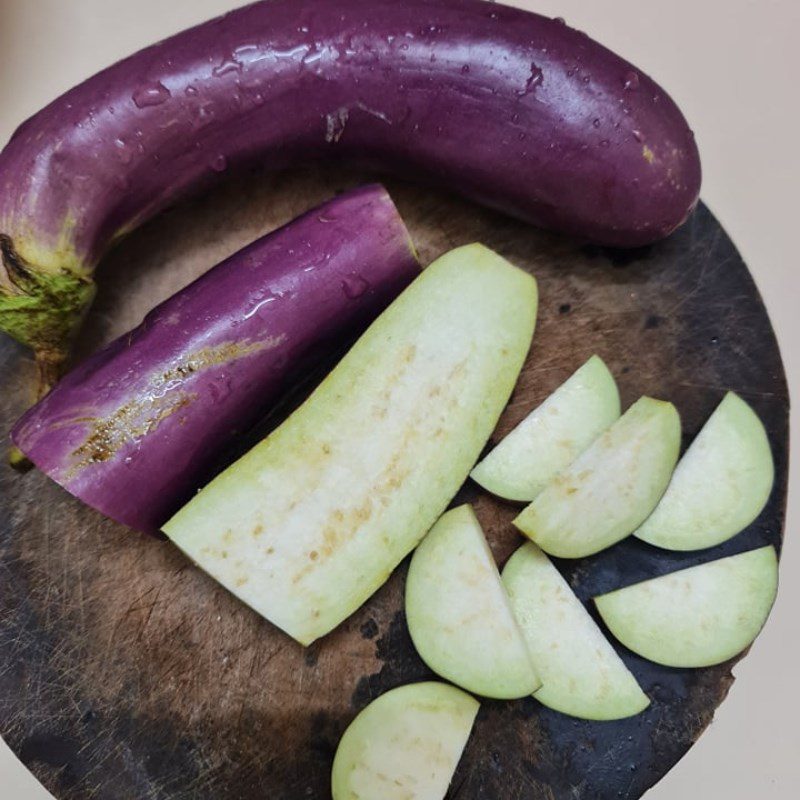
(135, 429)
(511, 109)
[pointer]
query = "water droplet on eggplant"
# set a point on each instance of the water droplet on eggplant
(631, 81)
(220, 389)
(151, 94)
(260, 304)
(220, 163)
(312, 56)
(244, 50)
(124, 152)
(228, 66)
(354, 286)
(535, 80)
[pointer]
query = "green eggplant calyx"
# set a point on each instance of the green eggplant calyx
(41, 309)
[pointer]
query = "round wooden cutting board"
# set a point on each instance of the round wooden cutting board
(127, 674)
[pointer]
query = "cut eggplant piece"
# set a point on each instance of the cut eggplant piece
(720, 486)
(611, 488)
(581, 673)
(458, 612)
(138, 427)
(699, 616)
(553, 435)
(405, 745)
(307, 525)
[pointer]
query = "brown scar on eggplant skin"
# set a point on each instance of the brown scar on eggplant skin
(141, 416)
(216, 356)
(109, 435)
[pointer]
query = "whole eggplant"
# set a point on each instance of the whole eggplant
(509, 108)
(134, 430)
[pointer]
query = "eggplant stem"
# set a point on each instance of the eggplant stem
(50, 367)
(18, 460)
(41, 309)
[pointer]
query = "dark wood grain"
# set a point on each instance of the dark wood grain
(126, 674)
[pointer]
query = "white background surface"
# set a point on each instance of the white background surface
(732, 65)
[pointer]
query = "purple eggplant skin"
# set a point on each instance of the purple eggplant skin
(514, 110)
(134, 429)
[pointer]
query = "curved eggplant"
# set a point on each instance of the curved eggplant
(135, 429)
(509, 108)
